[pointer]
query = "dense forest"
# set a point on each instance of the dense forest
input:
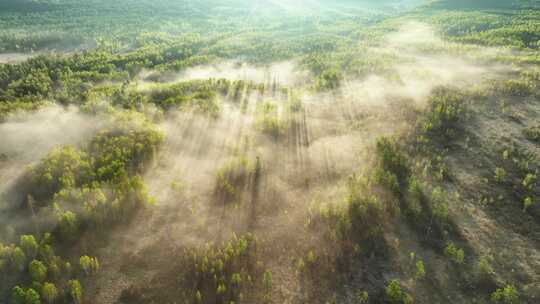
(272, 151)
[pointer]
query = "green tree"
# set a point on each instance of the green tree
(37, 271)
(25, 296)
(75, 291)
(89, 264)
(29, 245)
(49, 293)
(68, 224)
(18, 258)
(393, 292)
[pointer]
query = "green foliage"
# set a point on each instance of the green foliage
(37, 271)
(232, 177)
(81, 190)
(532, 134)
(395, 295)
(527, 203)
(88, 264)
(484, 270)
(62, 168)
(362, 297)
(357, 223)
(29, 245)
(328, 80)
(49, 293)
(506, 295)
(68, 224)
(86, 190)
(500, 175)
(420, 270)
(75, 291)
(18, 258)
(25, 296)
(515, 88)
(454, 253)
(392, 168)
(268, 120)
(488, 22)
(224, 272)
(445, 110)
(267, 280)
(529, 181)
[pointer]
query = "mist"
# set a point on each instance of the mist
(272, 151)
(321, 145)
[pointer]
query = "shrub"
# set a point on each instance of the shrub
(223, 272)
(455, 253)
(395, 295)
(392, 167)
(500, 175)
(532, 134)
(506, 295)
(268, 121)
(420, 270)
(529, 180)
(328, 80)
(233, 176)
(516, 87)
(444, 111)
(267, 280)
(484, 271)
(362, 297)
(527, 203)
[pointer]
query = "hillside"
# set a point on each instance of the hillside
(271, 151)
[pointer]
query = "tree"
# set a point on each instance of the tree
(25, 296)
(420, 270)
(37, 271)
(49, 293)
(68, 224)
(396, 295)
(29, 245)
(89, 264)
(18, 295)
(75, 291)
(393, 292)
(18, 258)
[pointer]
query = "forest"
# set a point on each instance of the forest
(269, 152)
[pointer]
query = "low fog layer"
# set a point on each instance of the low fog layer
(285, 72)
(320, 143)
(28, 137)
(324, 142)
(15, 57)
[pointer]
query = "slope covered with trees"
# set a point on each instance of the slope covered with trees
(241, 151)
